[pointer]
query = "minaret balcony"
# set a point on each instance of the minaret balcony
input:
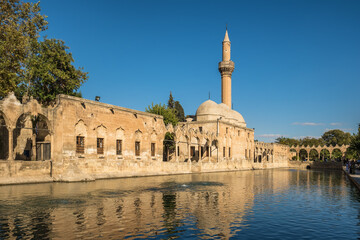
(226, 67)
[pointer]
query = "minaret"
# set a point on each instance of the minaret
(226, 67)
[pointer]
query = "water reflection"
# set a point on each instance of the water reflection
(251, 204)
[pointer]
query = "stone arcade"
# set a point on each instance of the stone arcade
(78, 139)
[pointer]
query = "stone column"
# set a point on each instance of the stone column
(308, 155)
(176, 152)
(11, 143)
(33, 151)
(297, 156)
(199, 152)
(209, 152)
(189, 148)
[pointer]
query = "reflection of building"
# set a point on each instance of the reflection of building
(89, 140)
(211, 205)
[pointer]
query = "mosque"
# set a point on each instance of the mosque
(81, 140)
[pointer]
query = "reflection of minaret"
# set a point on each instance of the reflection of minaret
(226, 67)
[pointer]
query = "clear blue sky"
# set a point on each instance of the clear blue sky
(297, 62)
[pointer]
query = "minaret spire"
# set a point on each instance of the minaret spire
(226, 67)
(226, 38)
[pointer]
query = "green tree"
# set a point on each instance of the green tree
(168, 113)
(354, 149)
(171, 101)
(176, 106)
(20, 25)
(179, 111)
(336, 136)
(336, 154)
(308, 141)
(51, 71)
(169, 117)
(287, 141)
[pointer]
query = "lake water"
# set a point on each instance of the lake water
(260, 204)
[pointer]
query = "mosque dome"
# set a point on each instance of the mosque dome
(210, 110)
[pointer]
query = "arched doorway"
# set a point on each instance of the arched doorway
(32, 140)
(43, 138)
(168, 147)
(4, 139)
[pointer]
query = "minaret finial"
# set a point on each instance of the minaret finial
(226, 38)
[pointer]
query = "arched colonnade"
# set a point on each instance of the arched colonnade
(193, 145)
(319, 150)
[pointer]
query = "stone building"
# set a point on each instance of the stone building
(78, 139)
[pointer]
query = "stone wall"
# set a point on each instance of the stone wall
(16, 172)
(92, 121)
(27, 127)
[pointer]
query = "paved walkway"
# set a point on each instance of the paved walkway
(355, 178)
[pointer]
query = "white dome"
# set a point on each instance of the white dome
(210, 110)
(207, 107)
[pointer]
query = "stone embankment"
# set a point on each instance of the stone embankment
(355, 178)
(315, 165)
(17, 172)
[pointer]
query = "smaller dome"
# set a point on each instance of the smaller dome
(239, 118)
(207, 107)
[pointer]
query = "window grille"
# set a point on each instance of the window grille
(118, 147)
(137, 148)
(153, 149)
(80, 144)
(100, 146)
